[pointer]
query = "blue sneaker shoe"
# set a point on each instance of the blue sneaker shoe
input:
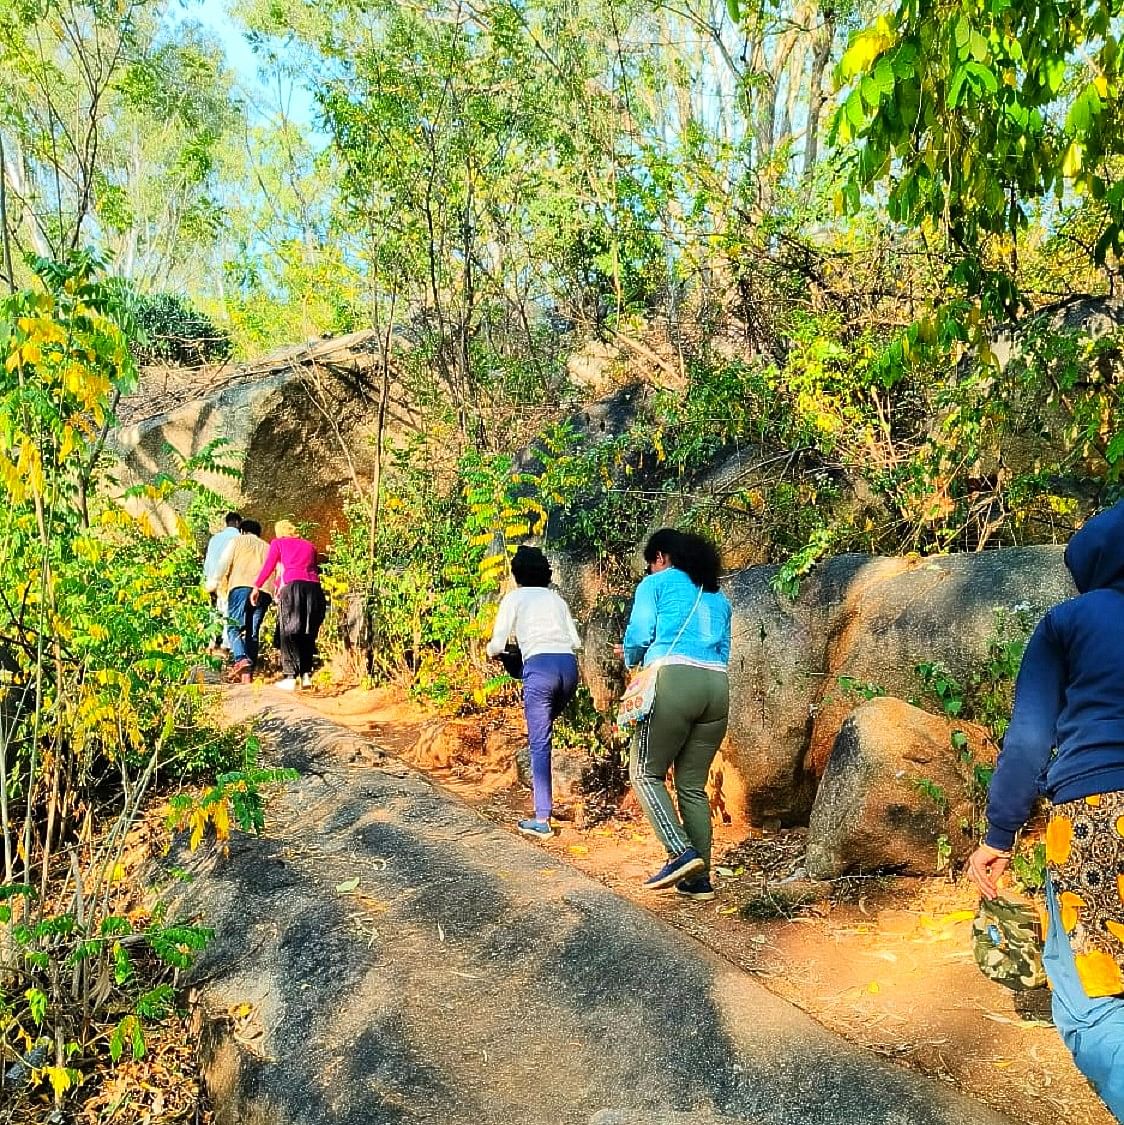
(699, 888)
(538, 829)
(675, 870)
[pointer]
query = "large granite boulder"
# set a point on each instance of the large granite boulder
(897, 793)
(298, 430)
(945, 610)
(872, 620)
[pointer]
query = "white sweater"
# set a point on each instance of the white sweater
(540, 620)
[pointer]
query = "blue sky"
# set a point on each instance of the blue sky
(214, 15)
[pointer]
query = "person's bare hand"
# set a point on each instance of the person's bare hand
(254, 595)
(985, 868)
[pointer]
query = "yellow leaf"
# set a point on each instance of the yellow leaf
(1100, 84)
(60, 1077)
(874, 988)
(198, 823)
(864, 49)
(957, 916)
(220, 818)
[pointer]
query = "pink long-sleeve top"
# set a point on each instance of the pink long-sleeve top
(296, 556)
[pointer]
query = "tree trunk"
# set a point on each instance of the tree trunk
(816, 97)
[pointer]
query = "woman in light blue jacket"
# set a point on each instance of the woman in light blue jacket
(680, 619)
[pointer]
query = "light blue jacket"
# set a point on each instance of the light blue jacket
(662, 602)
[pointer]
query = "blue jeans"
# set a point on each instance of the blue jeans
(1093, 1028)
(549, 683)
(243, 627)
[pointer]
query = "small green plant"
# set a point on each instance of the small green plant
(579, 726)
(981, 782)
(63, 957)
(930, 789)
(944, 852)
(798, 566)
(942, 686)
(1028, 865)
(235, 797)
(860, 689)
(993, 685)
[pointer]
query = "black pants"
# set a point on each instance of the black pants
(300, 613)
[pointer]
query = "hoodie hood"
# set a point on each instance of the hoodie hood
(1095, 554)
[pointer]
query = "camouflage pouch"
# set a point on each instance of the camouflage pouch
(1007, 940)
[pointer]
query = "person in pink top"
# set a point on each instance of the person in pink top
(300, 604)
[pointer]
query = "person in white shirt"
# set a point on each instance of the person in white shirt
(547, 637)
(216, 545)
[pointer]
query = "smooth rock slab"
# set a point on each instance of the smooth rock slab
(469, 977)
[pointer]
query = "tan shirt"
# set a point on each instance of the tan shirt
(240, 563)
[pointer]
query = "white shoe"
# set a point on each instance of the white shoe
(306, 680)
(289, 683)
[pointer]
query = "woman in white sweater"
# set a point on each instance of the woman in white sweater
(544, 629)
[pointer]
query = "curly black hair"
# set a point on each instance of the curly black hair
(694, 554)
(530, 568)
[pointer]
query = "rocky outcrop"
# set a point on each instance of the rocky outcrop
(872, 620)
(896, 793)
(947, 610)
(385, 954)
(298, 428)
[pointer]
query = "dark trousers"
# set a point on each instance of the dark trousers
(549, 683)
(243, 630)
(300, 613)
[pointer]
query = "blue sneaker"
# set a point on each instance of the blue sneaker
(699, 888)
(675, 870)
(539, 829)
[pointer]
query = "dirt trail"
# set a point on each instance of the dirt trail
(890, 969)
(385, 954)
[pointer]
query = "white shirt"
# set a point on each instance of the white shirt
(540, 620)
(215, 547)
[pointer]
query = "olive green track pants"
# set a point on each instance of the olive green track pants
(684, 729)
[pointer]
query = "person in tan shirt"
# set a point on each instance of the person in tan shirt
(236, 573)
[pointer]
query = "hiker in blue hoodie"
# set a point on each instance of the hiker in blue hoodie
(680, 621)
(1066, 742)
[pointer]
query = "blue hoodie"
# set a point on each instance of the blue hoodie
(1069, 696)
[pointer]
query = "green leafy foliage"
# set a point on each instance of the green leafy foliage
(175, 332)
(102, 631)
(976, 113)
(947, 692)
(1028, 865)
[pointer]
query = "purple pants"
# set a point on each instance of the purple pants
(549, 683)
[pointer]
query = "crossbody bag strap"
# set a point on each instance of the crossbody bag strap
(684, 625)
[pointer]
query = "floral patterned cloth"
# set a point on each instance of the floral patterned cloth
(1085, 857)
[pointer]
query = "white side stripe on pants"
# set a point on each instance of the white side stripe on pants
(658, 813)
